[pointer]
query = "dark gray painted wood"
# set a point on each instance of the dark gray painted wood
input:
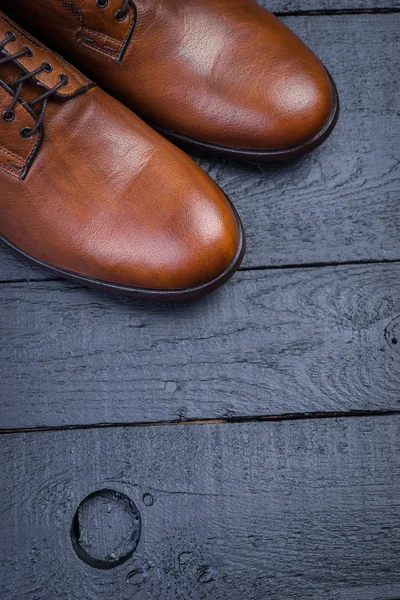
(341, 202)
(288, 6)
(270, 342)
(285, 511)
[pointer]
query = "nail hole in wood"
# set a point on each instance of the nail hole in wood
(106, 529)
(392, 334)
(148, 500)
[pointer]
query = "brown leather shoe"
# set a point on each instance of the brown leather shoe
(223, 76)
(93, 194)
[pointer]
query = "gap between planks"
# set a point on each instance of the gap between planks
(222, 421)
(332, 12)
(320, 265)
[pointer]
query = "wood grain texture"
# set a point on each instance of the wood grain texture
(306, 510)
(341, 202)
(290, 6)
(270, 342)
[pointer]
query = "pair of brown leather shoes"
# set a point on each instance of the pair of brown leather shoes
(88, 189)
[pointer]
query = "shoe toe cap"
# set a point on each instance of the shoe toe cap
(191, 239)
(272, 94)
(289, 105)
(198, 245)
(302, 103)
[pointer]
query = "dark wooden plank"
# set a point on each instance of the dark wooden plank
(288, 511)
(290, 6)
(270, 342)
(340, 203)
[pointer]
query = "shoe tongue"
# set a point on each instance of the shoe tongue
(77, 83)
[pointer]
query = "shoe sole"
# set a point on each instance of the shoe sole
(192, 144)
(143, 293)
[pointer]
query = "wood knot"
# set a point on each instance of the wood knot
(106, 529)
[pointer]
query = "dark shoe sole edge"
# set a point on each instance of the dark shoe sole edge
(206, 148)
(143, 293)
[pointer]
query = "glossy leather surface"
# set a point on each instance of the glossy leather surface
(105, 196)
(223, 71)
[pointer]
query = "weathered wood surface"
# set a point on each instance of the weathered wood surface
(270, 342)
(301, 510)
(286, 510)
(294, 6)
(341, 202)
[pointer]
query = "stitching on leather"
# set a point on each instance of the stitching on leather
(10, 169)
(95, 42)
(12, 154)
(83, 26)
(69, 5)
(103, 35)
(56, 57)
(97, 48)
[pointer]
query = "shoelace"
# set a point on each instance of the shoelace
(120, 15)
(16, 86)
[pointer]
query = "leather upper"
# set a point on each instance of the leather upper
(224, 71)
(105, 196)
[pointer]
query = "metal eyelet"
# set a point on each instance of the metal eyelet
(63, 79)
(102, 3)
(47, 67)
(26, 132)
(27, 51)
(11, 36)
(120, 16)
(8, 115)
